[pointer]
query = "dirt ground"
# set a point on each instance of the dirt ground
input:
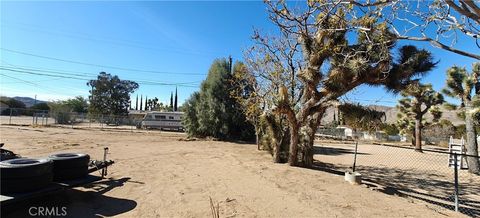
(158, 175)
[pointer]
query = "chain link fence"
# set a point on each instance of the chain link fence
(32, 117)
(429, 176)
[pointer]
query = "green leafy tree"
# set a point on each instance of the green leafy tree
(61, 112)
(390, 129)
(78, 104)
(361, 117)
(217, 114)
(190, 119)
(153, 104)
(110, 95)
(40, 106)
(465, 86)
(419, 99)
(246, 94)
(12, 103)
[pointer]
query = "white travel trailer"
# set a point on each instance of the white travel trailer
(162, 120)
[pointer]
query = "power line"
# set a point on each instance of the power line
(98, 65)
(33, 84)
(81, 74)
(127, 43)
(32, 72)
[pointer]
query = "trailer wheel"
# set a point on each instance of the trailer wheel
(69, 174)
(69, 160)
(25, 168)
(18, 185)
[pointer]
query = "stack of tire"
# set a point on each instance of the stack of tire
(30, 174)
(25, 174)
(69, 166)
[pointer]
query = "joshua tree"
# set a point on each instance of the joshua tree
(439, 22)
(466, 87)
(327, 65)
(419, 99)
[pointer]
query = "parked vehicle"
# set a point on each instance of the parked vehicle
(162, 120)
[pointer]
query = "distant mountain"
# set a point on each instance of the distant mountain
(28, 101)
(391, 114)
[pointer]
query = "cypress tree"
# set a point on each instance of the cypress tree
(136, 104)
(146, 103)
(141, 100)
(171, 100)
(175, 106)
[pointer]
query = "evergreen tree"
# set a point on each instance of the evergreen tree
(213, 112)
(175, 106)
(141, 100)
(136, 103)
(171, 101)
(146, 104)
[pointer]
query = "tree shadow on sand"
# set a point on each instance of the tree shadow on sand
(78, 203)
(334, 151)
(426, 186)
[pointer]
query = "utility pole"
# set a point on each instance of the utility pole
(35, 100)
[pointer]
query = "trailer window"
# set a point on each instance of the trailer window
(160, 117)
(170, 117)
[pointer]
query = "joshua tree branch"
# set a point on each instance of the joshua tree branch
(440, 45)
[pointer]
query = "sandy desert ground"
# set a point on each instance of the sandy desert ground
(157, 174)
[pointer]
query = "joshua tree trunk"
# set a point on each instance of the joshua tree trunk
(418, 134)
(276, 152)
(413, 138)
(294, 137)
(273, 130)
(256, 139)
(472, 146)
(308, 151)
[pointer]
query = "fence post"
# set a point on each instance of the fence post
(10, 120)
(456, 179)
(355, 156)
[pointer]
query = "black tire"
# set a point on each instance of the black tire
(70, 174)
(19, 185)
(25, 168)
(69, 160)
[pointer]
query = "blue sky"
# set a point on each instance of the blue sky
(177, 40)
